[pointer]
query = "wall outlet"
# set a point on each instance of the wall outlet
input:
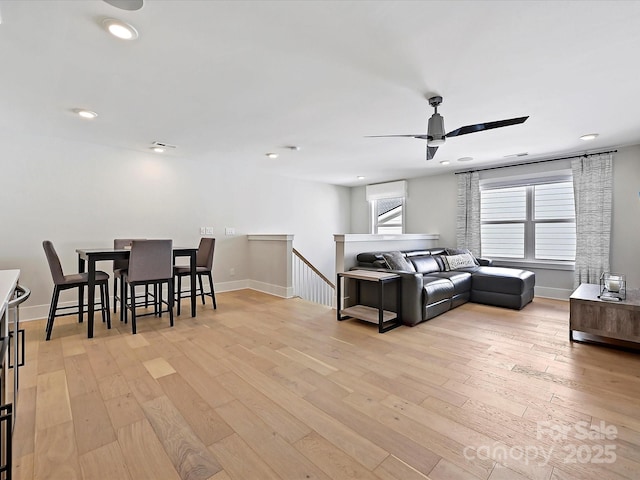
(232, 272)
(229, 231)
(203, 230)
(209, 231)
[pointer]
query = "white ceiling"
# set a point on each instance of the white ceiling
(230, 81)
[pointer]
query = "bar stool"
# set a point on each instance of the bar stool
(150, 263)
(204, 265)
(119, 269)
(77, 280)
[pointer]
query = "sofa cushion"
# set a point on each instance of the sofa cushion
(396, 261)
(455, 262)
(436, 289)
(508, 281)
(498, 299)
(461, 281)
(369, 257)
(425, 264)
(459, 251)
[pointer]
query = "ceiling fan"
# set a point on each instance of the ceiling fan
(435, 135)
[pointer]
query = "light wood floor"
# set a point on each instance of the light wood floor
(266, 388)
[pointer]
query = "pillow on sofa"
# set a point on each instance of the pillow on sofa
(460, 251)
(396, 261)
(454, 262)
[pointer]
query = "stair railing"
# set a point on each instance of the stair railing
(310, 284)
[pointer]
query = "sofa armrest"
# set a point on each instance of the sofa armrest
(484, 262)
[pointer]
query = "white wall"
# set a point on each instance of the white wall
(431, 208)
(85, 195)
(359, 211)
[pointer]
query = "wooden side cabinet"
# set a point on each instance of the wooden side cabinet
(385, 319)
(618, 320)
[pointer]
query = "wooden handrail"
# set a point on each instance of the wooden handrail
(314, 269)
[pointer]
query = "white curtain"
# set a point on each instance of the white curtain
(468, 218)
(592, 184)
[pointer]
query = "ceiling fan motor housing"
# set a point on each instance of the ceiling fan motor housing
(435, 132)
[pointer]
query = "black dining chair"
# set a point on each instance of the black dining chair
(204, 265)
(150, 263)
(66, 282)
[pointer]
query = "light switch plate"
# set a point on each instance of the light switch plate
(209, 231)
(229, 231)
(203, 231)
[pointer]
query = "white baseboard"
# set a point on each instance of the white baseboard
(277, 290)
(231, 286)
(555, 293)
(39, 312)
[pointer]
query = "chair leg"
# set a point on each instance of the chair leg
(123, 303)
(105, 302)
(213, 293)
(115, 293)
(201, 289)
(133, 309)
(102, 314)
(80, 303)
(158, 300)
(52, 311)
(179, 293)
(170, 300)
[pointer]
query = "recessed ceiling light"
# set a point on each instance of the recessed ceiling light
(294, 148)
(272, 155)
(120, 29)
(589, 136)
(161, 147)
(85, 113)
(360, 177)
(465, 159)
(445, 162)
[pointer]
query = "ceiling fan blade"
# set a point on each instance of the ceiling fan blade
(421, 136)
(479, 127)
(431, 152)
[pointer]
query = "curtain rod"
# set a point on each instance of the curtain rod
(537, 161)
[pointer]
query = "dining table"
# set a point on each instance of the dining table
(88, 257)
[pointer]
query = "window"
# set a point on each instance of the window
(529, 222)
(388, 215)
(386, 207)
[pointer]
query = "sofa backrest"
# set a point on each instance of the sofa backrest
(371, 257)
(425, 260)
(426, 251)
(425, 264)
(422, 260)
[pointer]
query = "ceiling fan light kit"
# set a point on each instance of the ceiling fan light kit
(436, 137)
